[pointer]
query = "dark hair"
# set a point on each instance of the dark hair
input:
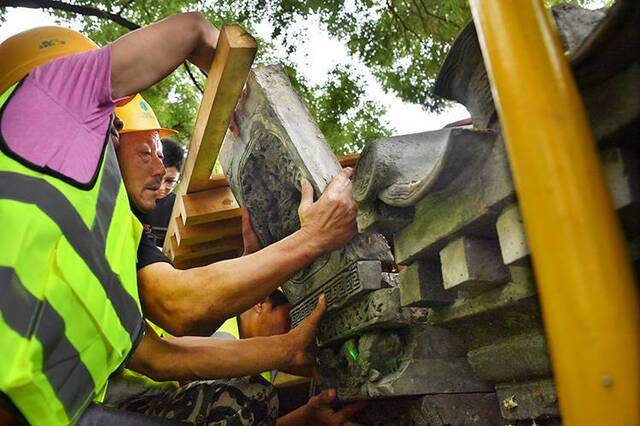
(173, 153)
(277, 298)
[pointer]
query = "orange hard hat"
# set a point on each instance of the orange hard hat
(138, 116)
(24, 51)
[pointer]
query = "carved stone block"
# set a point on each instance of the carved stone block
(406, 361)
(455, 211)
(513, 241)
(421, 285)
(401, 170)
(528, 400)
(378, 309)
(472, 263)
(280, 143)
(355, 279)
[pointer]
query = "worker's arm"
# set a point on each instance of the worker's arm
(196, 301)
(143, 57)
(203, 358)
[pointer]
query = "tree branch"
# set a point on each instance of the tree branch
(403, 24)
(67, 7)
(85, 11)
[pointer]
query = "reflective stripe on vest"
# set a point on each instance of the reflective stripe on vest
(69, 309)
(72, 379)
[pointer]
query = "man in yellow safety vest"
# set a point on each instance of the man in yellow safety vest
(72, 293)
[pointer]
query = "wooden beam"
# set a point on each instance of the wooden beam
(235, 52)
(208, 206)
(349, 160)
(218, 181)
(195, 234)
(210, 247)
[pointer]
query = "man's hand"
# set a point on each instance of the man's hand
(249, 237)
(302, 339)
(318, 411)
(330, 221)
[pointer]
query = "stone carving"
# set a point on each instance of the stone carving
(401, 170)
(279, 143)
(405, 361)
(610, 73)
(378, 309)
(394, 174)
(341, 288)
(463, 78)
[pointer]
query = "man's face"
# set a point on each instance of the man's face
(140, 159)
(272, 320)
(169, 181)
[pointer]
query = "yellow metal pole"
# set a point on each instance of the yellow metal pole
(587, 291)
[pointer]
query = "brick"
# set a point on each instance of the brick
(421, 285)
(512, 238)
(471, 263)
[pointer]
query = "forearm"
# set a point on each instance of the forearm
(200, 358)
(145, 56)
(294, 418)
(196, 301)
(236, 285)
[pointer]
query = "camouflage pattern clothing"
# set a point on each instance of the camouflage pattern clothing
(240, 401)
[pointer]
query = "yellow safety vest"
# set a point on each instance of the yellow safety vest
(69, 308)
(229, 330)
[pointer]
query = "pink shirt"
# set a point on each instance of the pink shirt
(59, 117)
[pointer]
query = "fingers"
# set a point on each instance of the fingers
(314, 317)
(341, 181)
(306, 198)
(349, 410)
(326, 397)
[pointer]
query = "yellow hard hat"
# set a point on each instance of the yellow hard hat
(24, 51)
(137, 116)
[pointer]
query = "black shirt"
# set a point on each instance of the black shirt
(148, 251)
(159, 217)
